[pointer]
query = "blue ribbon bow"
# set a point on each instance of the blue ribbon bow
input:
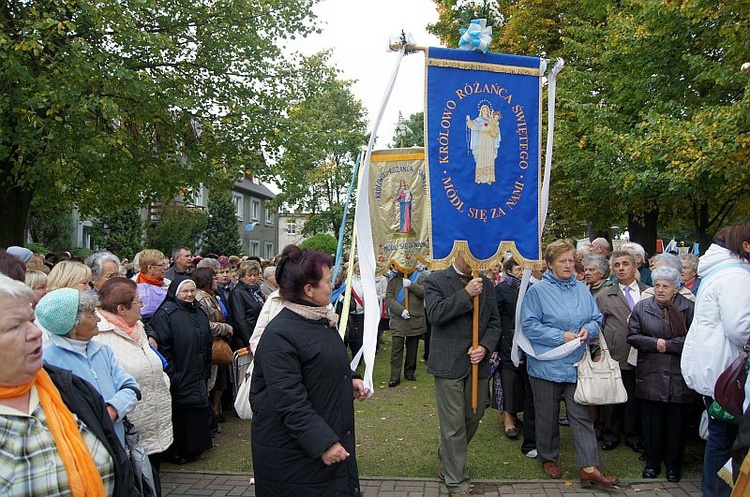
(477, 36)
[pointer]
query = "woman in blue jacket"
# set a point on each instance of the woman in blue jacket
(555, 311)
(69, 316)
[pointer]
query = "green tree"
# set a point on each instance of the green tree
(105, 104)
(120, 233)
(52, 228)
(221, 235)
(321, 242)
(410, 132)
(652, 109)
(319, 138)
(177, 225)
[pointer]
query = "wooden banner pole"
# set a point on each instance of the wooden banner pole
(474, 345)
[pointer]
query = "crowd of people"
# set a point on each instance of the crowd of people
(98, 348)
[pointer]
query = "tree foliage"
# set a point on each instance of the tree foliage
(320, 136)
(221, 235)
(137, 99)
(321, 242)
(177, 225)
(120, 233)
(52, 228)
(652, 122)
(410, 133)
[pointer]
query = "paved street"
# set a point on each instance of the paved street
(235, 484)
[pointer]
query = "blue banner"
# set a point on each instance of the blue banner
(483, 152)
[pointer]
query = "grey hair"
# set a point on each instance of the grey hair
(97, 260)
(668, 259)
(87, 301)
(689, 260)
(176, 252)
(15, 289)
(666, 273)
(601, 262)
(601, 242)
(635, 248)
(210, 262)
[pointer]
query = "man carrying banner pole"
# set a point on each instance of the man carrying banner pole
(454, 299)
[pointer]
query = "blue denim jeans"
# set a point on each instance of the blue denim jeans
(721, 436)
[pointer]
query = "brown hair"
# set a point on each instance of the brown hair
(556, 249)
(733, 236)
(204, 279)
(117, 291)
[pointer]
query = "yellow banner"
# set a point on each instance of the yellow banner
(399, 208)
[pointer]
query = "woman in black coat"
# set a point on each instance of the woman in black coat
(657, 329)
(246, 301)
(513, 378)
(183, 335)
(302, 390)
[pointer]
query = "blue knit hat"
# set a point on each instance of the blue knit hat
(58, 309)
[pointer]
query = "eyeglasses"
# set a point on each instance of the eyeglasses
(139, 303)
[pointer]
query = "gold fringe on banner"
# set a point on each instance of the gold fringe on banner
(477, 66)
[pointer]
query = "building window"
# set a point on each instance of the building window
(199, 197)
(239, 205)
(268, 216)
(291, 227)
(254, 210)
(270, 253)
(254, 248)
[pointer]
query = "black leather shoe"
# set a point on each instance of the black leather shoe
(636, 447)
(393, 383)
(650, 473)
(608, 445)
(673, 475)
(410, 377)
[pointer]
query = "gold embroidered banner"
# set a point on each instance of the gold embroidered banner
(399, 208)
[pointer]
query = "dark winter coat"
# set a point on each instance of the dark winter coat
(183, 333)
(450, 311)
(658, 375)
(301, 397)
(615, 312)
(507, 299)
(83, 400)
(245, 310)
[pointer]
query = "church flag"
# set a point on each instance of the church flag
(399, 208)
(483, 154)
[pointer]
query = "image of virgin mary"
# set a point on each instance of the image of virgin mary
(404, 198)
(484, 143)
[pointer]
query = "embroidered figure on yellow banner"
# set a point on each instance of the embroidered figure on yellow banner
(484, 142)
(404, 198)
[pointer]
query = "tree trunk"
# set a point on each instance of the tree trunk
(704, 225)
(14, 204)
(642, 228)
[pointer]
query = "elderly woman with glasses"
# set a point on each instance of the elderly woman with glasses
(182, 331)
(69, 316)
(152, 287)
(121, 329)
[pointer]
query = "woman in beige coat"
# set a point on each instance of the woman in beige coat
(205, 295)
(120, 328)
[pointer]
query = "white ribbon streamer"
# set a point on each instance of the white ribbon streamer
(365, 248)
(519, 339)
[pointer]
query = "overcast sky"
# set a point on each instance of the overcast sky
(358, 31)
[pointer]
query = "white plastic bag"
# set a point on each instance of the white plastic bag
(242, 401)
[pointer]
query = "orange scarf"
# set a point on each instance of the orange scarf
(83, 476)
(142, 278)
